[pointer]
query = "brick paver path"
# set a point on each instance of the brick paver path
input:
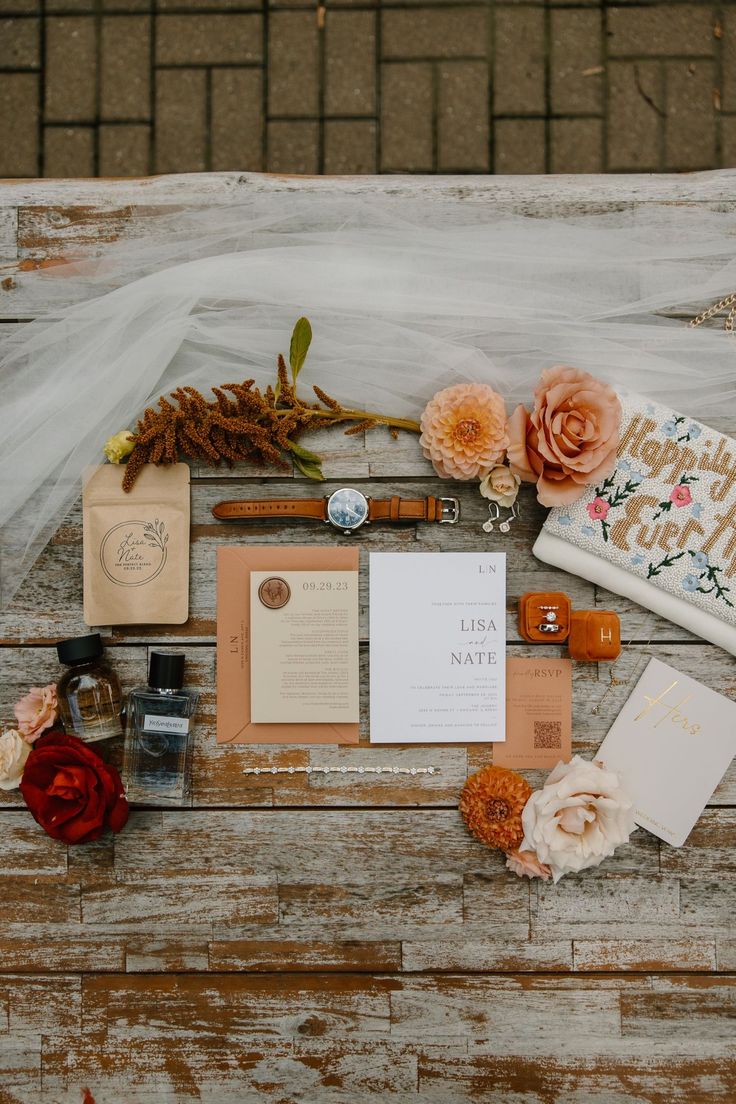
(127, 87)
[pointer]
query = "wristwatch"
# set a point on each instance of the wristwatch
(346, 509)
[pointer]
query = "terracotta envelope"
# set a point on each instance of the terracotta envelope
(234, 566)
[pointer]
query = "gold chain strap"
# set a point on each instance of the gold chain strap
(716, 308)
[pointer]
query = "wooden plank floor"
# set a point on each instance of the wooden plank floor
(332, 938)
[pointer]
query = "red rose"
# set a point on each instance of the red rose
(72, 793)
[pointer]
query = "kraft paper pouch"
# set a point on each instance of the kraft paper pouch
(136, 547)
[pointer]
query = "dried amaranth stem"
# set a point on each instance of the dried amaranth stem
(245, 423)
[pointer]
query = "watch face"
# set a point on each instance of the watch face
(347, 509)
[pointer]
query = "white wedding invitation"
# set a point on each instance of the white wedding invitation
(304, 646)
(437, 647)
(671, 744)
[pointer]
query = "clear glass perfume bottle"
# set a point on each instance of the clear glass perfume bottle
(89, 693)
(157, 763)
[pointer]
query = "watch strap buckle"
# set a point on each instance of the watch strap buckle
(450, 511)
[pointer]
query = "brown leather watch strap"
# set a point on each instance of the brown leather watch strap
(315, 509)
(241, 509)
(404, 509)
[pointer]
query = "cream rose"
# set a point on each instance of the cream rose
(501, 485)
(119, 446)
(13, 754)
(578, 818)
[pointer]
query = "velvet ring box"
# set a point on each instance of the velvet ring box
(595, 635)
(544, 617)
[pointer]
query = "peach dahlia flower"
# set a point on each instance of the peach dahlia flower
(464, 431)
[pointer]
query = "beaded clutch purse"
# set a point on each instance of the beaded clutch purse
(661, 529)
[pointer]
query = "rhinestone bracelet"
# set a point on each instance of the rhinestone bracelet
(341, 770)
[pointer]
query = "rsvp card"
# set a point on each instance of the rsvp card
(304, 653)
(538, 714)
(437, 647)
(671, 744)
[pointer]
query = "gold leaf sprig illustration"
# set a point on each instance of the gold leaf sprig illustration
(155, 534)
(245, 423)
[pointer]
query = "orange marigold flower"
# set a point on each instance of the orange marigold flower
(491, 804)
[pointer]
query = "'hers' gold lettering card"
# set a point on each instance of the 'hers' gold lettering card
(538, 714)
(670, 745)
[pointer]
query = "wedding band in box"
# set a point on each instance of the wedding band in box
(346, 509)
(544, 617)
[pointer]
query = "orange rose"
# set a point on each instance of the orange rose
(570, 439)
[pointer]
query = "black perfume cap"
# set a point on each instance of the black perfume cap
(79, 649)
(166, 670)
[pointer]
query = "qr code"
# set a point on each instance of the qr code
(547, 734)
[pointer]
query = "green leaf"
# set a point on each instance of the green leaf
(306, 467)
(304, 454)
(301, 339)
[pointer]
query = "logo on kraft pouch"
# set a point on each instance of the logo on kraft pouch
(133, 553)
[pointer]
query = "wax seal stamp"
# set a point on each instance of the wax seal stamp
(274, 592)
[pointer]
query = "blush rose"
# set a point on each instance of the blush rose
(71, 792)
(570, 438)
(527, 865)
(37, 711)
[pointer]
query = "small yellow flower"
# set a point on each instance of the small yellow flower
(119, 447)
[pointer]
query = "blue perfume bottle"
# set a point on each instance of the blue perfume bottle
(157, 763)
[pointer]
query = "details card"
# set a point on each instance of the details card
(671, 744)
(538, 714)
(304, 656)
(437, 647)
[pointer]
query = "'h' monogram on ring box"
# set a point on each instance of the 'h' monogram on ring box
(595, 635)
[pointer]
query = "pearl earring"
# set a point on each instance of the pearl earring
(506, 525)
(494, 514)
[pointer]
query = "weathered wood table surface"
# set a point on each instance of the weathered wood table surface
(332, 938)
